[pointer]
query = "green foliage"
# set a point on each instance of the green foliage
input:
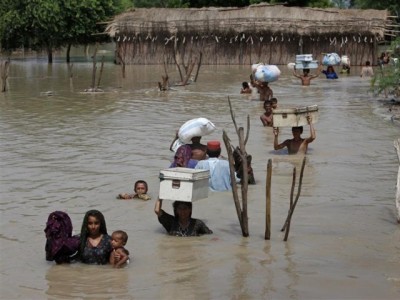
(51, 24)
(161, 3)
(122, 5)
(391, 5)
(388, 79)
(321, 3)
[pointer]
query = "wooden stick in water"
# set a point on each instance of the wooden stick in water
(233, 178)
(101, 71)
(268, 201)
(291, 204)
(244, 183)
(297, 196)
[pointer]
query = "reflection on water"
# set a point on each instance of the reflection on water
(73, 151)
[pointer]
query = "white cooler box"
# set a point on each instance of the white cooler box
(294, 117)
(304, 57)
(312, 64)
(183, 184)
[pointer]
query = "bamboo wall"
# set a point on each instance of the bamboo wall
(244, 49)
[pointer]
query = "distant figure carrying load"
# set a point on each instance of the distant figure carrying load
(297, 144)
(330, 73)
(306, 77)
(263, 89)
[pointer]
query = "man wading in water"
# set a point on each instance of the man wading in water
(297, 144)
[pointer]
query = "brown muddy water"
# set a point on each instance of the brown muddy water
(71, 151)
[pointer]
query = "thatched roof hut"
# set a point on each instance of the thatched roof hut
(272, 34)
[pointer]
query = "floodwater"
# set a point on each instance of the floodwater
(72, 151)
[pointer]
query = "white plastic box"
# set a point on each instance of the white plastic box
(304, 57)
(313, 64)
(294, 117)
(183, 184)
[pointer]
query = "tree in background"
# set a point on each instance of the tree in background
(51, 24)
(388, 79)
(392, 5)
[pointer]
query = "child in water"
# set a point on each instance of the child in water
(245, 88)
(267, 117)
(140, 192)
(119, 255)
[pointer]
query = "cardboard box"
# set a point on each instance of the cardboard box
(293, 117)
(183, 184)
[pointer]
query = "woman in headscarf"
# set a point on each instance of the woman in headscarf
(183, 158)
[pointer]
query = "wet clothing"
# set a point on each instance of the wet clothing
(220, 176)
(98, 255)
(330, 75)
(183, 157)
(60, 244)
(171, 224)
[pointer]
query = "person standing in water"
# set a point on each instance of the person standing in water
(296, 145)
(263, 89)
(306, 76)
(267, 117)
(367, 70)
(330, 73)
(245, 88)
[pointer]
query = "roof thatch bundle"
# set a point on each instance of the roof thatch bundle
(217, 32)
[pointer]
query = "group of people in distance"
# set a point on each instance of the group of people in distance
(296, 145)
(306, 77)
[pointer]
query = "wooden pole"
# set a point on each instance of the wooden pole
(4, 74)
(297, 196)
(101, 71)
(71, 76)
(291, 203)
(397, 146)
(198, 66)
(244, 183)
(94, 68)
(233, 178)
(268, 201)
(242, 213)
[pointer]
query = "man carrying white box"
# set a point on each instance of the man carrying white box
(297, 144)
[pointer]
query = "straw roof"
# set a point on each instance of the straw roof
(254, 18)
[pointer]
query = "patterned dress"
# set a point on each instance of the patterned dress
(171, 224)
(98, 255)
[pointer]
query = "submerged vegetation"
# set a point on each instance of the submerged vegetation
(388, 79)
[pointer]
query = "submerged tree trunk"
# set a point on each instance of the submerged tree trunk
(4, 67)
(50, 55)
(68, 57)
